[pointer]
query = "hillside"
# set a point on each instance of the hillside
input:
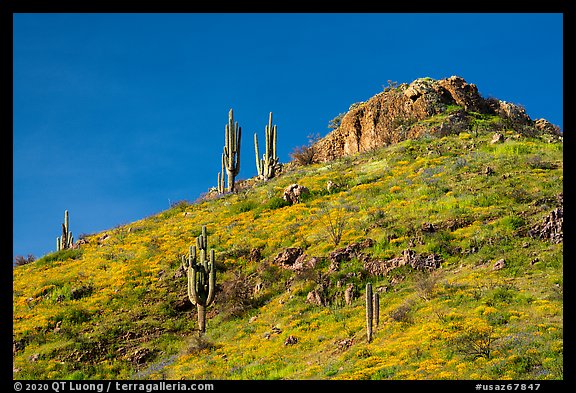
(460, 233)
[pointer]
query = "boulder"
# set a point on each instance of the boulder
(294, 193)
(288, 257)
(395, 115)
(500, 264)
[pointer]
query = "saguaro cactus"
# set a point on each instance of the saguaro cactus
(376, 308)
(201, 277)
(369, 311)
(221, 178)
(231, 154)
(67, 239)
(268, 164)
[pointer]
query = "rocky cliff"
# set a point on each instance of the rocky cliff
(436, 107)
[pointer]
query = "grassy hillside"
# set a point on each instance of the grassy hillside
(117, 306)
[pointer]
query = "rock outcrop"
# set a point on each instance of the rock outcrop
(426, 105)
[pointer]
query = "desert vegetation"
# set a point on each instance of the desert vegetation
(437, 257)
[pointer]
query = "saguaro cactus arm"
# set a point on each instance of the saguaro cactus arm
(267, 165)
(376, 308)
(231, 153)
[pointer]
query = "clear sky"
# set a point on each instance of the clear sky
(118, 115)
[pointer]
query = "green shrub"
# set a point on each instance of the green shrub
(276, 203)
(60, 256)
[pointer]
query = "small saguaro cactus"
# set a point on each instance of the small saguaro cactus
(220, 187)
(376, 308)
(67, 239)
(369, 311)
(201, 277)
(267, 166)
(231, 154)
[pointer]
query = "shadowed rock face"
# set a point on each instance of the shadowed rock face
(395, 114)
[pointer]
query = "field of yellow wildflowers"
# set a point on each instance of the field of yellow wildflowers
(116, 307)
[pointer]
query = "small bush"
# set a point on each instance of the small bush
(306, 155)
(60, 256)
(198, 344)
(475, 342)
(536, 162)
(276, 203)
(20, 260)
(303, 155)
(402, 313)
(236, 296)
(333, 222)
(244, 206)
(425, 282)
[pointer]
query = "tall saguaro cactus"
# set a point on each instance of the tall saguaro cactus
(268, 164)
(231, 154)
(201, 275)
(369, 311)
(67, 239)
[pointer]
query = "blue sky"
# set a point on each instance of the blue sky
(118, 115)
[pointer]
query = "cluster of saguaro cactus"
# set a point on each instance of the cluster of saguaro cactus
(372, 310)
(67, 239)
(231, 154)
(268, 164)
(220, 186)
(201, 273)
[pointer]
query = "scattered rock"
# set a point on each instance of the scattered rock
(330, 185)
(551, 227)
(34, 357)
(544, 125)
(513, 112)
(347, 253)
(181, 272)
(18, 346)
(428, 227)
(344, 344)
(257, 288)
(409, 257)
(290, 340)
(349, 294)
(500, 264)
(294, 193)
(497, 138)
(315, 297)
(141, 355)
(288, 257)
(255, 254)
(488, 171)
(397, 279)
